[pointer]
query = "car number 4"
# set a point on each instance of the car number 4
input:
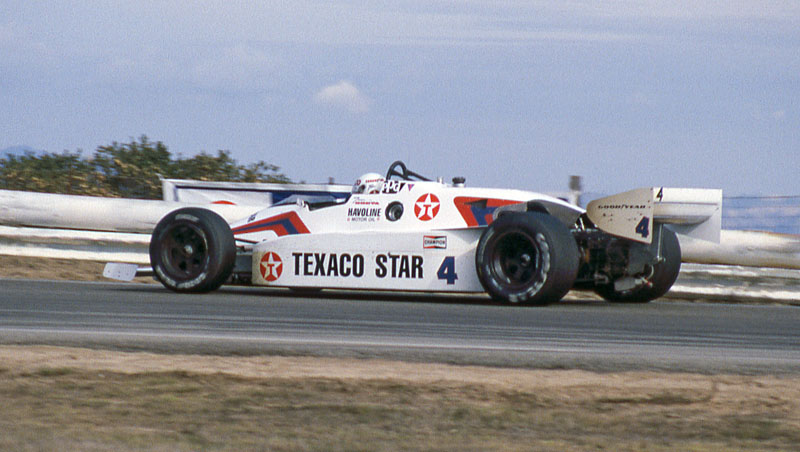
(643, 228)
(447, 270)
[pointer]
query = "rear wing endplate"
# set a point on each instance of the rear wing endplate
(634, 214)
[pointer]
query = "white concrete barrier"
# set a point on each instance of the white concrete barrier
(747, 248)
(100, 246)
(19, 208)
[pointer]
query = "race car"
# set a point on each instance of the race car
(405, 232)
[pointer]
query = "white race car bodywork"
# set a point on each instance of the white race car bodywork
(441, 262)
(419, 235)
(431, 247)
(355, 244)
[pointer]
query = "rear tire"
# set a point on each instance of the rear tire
(192, 250)
(664, 275)
(527, 258)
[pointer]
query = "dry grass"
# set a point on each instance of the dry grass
(59, 269)
(100, 400)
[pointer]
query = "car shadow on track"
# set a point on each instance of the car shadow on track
(575, 298)
(479, 299)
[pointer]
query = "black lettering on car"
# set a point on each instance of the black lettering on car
(319, 264)
(297, 257)
(399, 266)
(344, 264)
(323, 264)
(358, 265)
(416, 267)
(333, 266)
(404, 270)
(380, 261)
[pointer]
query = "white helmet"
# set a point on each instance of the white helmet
(368, 184)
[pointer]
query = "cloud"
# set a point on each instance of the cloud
(344, 95)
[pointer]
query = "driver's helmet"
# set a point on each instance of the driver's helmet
(368, 184)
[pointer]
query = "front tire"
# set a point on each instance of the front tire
(192, 250)
(527, 258)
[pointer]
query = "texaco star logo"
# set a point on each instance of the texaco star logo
(426, 207)
(271, 266)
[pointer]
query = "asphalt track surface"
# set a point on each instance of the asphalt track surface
(578, 334)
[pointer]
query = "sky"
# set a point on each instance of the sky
(518, 94)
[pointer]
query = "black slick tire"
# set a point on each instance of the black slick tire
(527, 258)
(192, 250)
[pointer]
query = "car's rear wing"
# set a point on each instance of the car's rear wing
(633, 214)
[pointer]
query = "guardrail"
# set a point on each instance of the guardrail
(71, 244)
(747, 248)
(27, 209)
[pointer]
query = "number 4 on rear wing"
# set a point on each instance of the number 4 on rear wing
(694, 212)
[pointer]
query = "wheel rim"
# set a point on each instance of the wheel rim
(516, 260)
(184, 251)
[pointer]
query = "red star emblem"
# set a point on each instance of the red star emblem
(426, 207)
(271, 266)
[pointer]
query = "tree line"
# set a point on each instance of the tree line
(126, 170)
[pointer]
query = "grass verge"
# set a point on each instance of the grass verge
(106, 401)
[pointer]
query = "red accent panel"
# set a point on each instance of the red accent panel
(478, 211)
(284, 224)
